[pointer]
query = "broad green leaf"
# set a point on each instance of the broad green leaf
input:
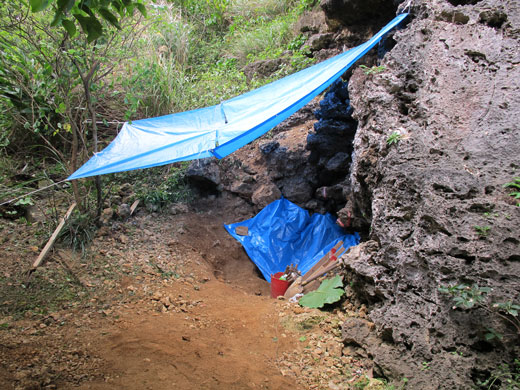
(91, 26)
(65, 5)
(61, 108)
(57, 18)
(330, 291)
(141, 7)
(38, 5)
(70, 27)
(109, 17)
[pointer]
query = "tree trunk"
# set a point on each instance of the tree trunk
(93, 117)
(74, 166)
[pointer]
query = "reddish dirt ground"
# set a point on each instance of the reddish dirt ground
(162, 302)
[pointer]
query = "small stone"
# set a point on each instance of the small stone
(123, 210)
(166, 301)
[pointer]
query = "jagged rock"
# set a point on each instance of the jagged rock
(204, 175)
(123, 211)
(339, 162)
(106, 216)
(265, 194)
(178, 208)
(243, 185)
(311, 21)
(296, 189)
(269, 147)
(262, 68)
(319, 41)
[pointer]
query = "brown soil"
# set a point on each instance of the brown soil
(161, 301)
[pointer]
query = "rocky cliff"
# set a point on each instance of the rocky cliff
(434, 198)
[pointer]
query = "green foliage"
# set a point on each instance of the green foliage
(26, 201)
(330, 291)
(506, 376)
(89, 15)
(173, 188)
(470, 297)
(482, 231)
(189, 59)
(394, 138)
(515, 185)
(78, 232)
(373, 70)
(509, 307)
(466, 296)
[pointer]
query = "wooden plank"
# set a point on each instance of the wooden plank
(51, 241)
(322, 271)
(322, 261)
(134, 206)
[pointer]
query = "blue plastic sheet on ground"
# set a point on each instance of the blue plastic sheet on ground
(284, 233)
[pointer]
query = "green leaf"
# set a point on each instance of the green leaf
(330, 291)
(38, 5)
(69, 26)
(141, 7)
(57, 19)
(65, 5)
(61, 108)
(91, 26)
(109, 17)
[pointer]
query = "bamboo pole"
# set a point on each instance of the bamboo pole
(51, 241)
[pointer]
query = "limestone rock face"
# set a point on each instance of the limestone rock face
(451, 92)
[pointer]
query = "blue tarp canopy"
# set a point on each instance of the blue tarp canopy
(283, 234)
(220, 130)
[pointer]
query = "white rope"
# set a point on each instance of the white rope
(33, 192)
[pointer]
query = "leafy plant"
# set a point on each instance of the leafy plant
(470, 297)
(508, 376)
(88, 15)
(373, 70)
(466, 296)
(482, 230)
(330, 291)
(173, 188)
(78, 232)
(515, 185)
(394, 138)
(27, 201)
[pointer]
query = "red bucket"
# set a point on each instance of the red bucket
(278, 287)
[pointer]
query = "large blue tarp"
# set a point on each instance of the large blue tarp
(284, 233)
(220, 130)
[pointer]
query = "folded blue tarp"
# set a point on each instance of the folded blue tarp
(220, 130)
(283, 234)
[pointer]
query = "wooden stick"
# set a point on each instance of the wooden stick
(134, 206)
(322, 261)
(323, 271)
(51, 241)
(308, 276)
